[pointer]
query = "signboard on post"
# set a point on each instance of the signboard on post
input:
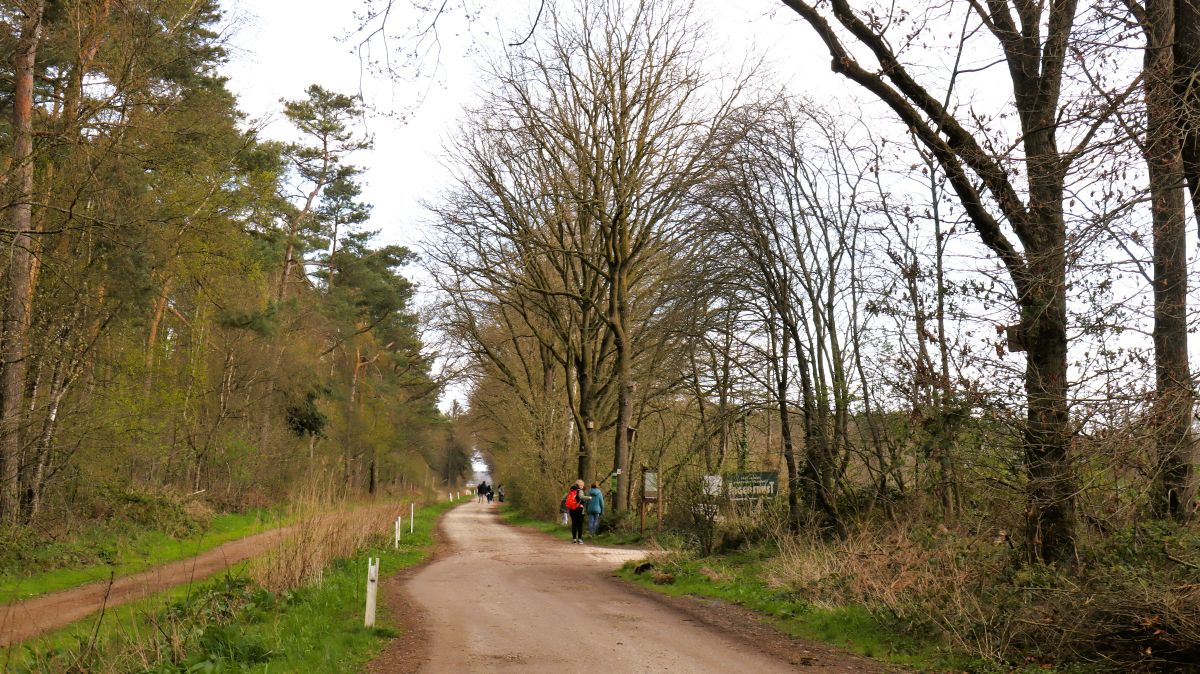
(752, 486)
(712, 485)
(649, 485)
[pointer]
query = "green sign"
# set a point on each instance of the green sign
(751, 486)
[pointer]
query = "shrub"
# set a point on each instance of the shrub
(1131, 604)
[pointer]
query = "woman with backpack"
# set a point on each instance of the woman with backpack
(574, 503)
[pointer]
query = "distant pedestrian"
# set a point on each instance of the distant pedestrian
(482, 489)
(489, 493)
(500, 493)
(595, 508)
(575, 504)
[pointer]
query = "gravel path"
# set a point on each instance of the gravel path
(504, 599)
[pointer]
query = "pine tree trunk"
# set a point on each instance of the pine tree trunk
(20, 268)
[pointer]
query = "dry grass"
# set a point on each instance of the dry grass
(1129, 613)
(325, 529)
(931, 582)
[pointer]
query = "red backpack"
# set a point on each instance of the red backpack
(572, 500)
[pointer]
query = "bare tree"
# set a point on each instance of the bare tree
(1163, 152)
(604, 125)
(1033, 42)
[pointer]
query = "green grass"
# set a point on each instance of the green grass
(102, 552)
(321, 630)
(737, 579)
(232, 626)
(557, 529)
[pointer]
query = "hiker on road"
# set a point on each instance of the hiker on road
(483, 487)
(595, 508)
(575, 504)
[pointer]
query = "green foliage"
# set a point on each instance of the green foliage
(305, 417)
(191, 331)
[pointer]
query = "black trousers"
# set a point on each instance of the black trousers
(577, 523)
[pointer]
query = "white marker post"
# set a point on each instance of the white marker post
(410, 517)
(372, 588)
(396, 532)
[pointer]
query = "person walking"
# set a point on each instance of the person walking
(483, 486)
(595, 508)
(489, 493)
(575, 504)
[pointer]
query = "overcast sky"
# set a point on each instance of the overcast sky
(282, 46)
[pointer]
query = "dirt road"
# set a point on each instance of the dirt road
(508, 600)
(26, 619)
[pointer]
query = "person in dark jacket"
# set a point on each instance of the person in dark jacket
(594, 508)
(576, 498)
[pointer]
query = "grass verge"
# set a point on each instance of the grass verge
(232, 624)
(102, 553)
(737, 578)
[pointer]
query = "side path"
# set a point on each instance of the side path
(504, 599)
(30, 618)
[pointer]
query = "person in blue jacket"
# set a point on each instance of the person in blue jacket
(595, 508)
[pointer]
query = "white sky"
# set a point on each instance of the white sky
(279, 47)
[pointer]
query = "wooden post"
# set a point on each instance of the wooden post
(642, 503)
(410, 517)
(662, 495)
(396, 532)
(372, 589)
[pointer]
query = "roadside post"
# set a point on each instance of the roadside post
(372, 590)
(396, 532)
(410, 517)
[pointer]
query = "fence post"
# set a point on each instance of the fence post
(396, 533)
(410, 517)
(372, 589)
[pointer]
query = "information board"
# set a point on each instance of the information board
(751, 486)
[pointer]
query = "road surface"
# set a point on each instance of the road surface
(504, 599)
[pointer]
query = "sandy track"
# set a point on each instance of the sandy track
(26, 619)
(509, 600)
